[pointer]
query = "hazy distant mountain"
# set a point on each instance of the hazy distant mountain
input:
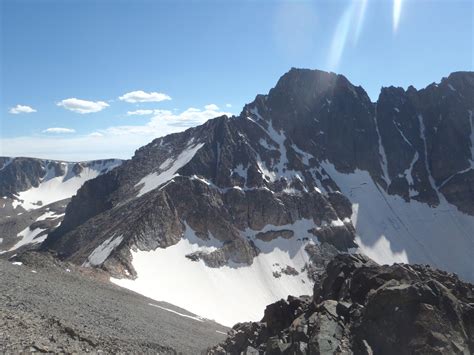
(34, 194)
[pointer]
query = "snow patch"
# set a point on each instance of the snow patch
(49, 215)
(337, 223)
(102, 252)
(28, 236)
(403, 135)
(265, 144)
(241, 171)
(425, 147)
(203, 180)
(409, 176)
(471, 121)
(199, 319)
(54, 188)
(279, 138)
(166, 164)
(228, 294)
(254, 111)
(390, 230)
(199, 244)
(156, 179)
(383, 156)
(382, 250)
(304, 155)
(471, 166)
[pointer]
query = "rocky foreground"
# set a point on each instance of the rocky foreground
(53, 307)
(361, 307)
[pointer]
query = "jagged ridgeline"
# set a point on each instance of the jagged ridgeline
(256, 204)
(34, 194)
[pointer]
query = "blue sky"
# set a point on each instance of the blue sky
(98, 79)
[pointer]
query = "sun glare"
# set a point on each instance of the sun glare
(397, 10)
(350, 23)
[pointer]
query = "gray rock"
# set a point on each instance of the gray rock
(50, 306)
(364, 308)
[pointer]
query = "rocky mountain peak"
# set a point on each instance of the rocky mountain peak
(461, 79)
(301, 83)
(311, 169)
(302, 91)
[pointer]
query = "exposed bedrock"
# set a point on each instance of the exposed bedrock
(361, 307)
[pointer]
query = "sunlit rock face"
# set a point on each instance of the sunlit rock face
(311, 169)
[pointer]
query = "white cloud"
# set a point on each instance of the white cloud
(228, 105)
(165, 121)
(59, 130)
(72, 148)
(140, 112)
(82, 106)
(212, 107)
(21, 109)
(112, 142)
(142, 96)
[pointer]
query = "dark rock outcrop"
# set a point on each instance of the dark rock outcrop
(361, 307)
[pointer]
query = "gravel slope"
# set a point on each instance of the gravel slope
(44, 307)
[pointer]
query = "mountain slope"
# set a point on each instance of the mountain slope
(54, 307)
(34, 194)
(266, 198)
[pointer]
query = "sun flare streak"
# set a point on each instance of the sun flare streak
(360, 19)
(340, 37)
(397, 11)
(349, 25)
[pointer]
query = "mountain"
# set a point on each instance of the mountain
(227, 217)
(34, 194)
(364, 308)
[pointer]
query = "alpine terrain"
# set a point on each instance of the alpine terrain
(227, 217)
(364, 308)
(34, 194)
